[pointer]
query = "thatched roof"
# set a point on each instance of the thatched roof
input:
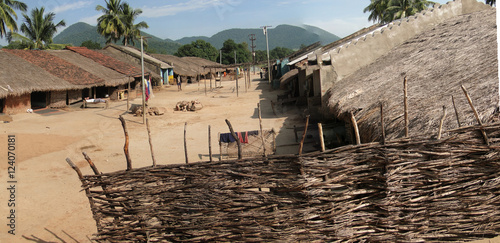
(107, 61)
(134, 68)
(110, 76)
(58, 67)
(137, 54)
(181, 66)
(201, 62)
(459, 51)
(24, 77)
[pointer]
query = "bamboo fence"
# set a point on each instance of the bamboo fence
(408, 190)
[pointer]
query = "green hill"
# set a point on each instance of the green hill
(282, 36)
(80, 32)
(288, 36)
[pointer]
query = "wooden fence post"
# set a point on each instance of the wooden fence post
(235, 137)
(405, 84)
(261, 132)
(441, 123)
(185, 143)
(150, 143)
(356, 129)
(301, 146)
(125, 147)
(486, 140)
(321, 139)
(210, 143)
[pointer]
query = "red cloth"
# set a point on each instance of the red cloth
(243, 137)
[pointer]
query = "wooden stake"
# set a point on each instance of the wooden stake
(303, 136)
(128, 96)
(456, 111)
(261, 132)
(486, 140)
(321, 139)
(210, 143)
(94, 168)
(185, 143)
(237, 86)
(220, 147)
(382, 125)
(405, 84)
(356, 129)
(441, 123)
(87, 190)
(125, 147)
(235, 137)
(150, 143)
(205, 87)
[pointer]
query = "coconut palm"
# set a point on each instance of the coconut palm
(132, 31)
(8, 16)
(38, 29)
(378, 11)
(385, 11)
(491, 2)
(403, 8)
(110, 24)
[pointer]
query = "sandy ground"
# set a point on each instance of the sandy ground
(49, 203)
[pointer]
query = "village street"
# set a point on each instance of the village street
(50, 204)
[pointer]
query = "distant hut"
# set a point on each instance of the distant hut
(459, 51)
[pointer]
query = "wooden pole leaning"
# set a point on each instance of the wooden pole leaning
(486, 140)
(125, 147)
(301, 146)
(235, 137)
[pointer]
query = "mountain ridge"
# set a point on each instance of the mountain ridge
(284, 35)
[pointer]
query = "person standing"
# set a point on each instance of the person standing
(179, 88)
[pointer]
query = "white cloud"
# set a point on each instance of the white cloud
(341, 27)
(174, 9)
(92, 20)
(71, 6)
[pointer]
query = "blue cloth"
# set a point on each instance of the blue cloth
(227, 138)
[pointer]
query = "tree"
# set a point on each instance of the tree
(229, 48)
(198, 48)
(38, 28)
(117, 22)
(91, 45)
(8, 16)
(132, 31)
(385, 11)
(279, 53)
(491, 2)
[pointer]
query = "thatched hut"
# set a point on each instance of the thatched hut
(159, 70)
(189, 68)
(22, 83)
(115, 84)
(459, 51)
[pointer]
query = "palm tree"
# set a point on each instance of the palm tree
(491, 2)
(378, 11)
(132, 31)
(8, 16)
(110, 24)
(385, 11)
(39, 28)
(403, 8)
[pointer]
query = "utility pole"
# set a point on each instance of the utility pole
(142, 82)
(267, 45)
(252, 39)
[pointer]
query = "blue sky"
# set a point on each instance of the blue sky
(175, 19)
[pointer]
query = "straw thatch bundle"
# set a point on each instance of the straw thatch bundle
(410, 190)
(459, 51)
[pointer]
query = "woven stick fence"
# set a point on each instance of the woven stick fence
(408, 190)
